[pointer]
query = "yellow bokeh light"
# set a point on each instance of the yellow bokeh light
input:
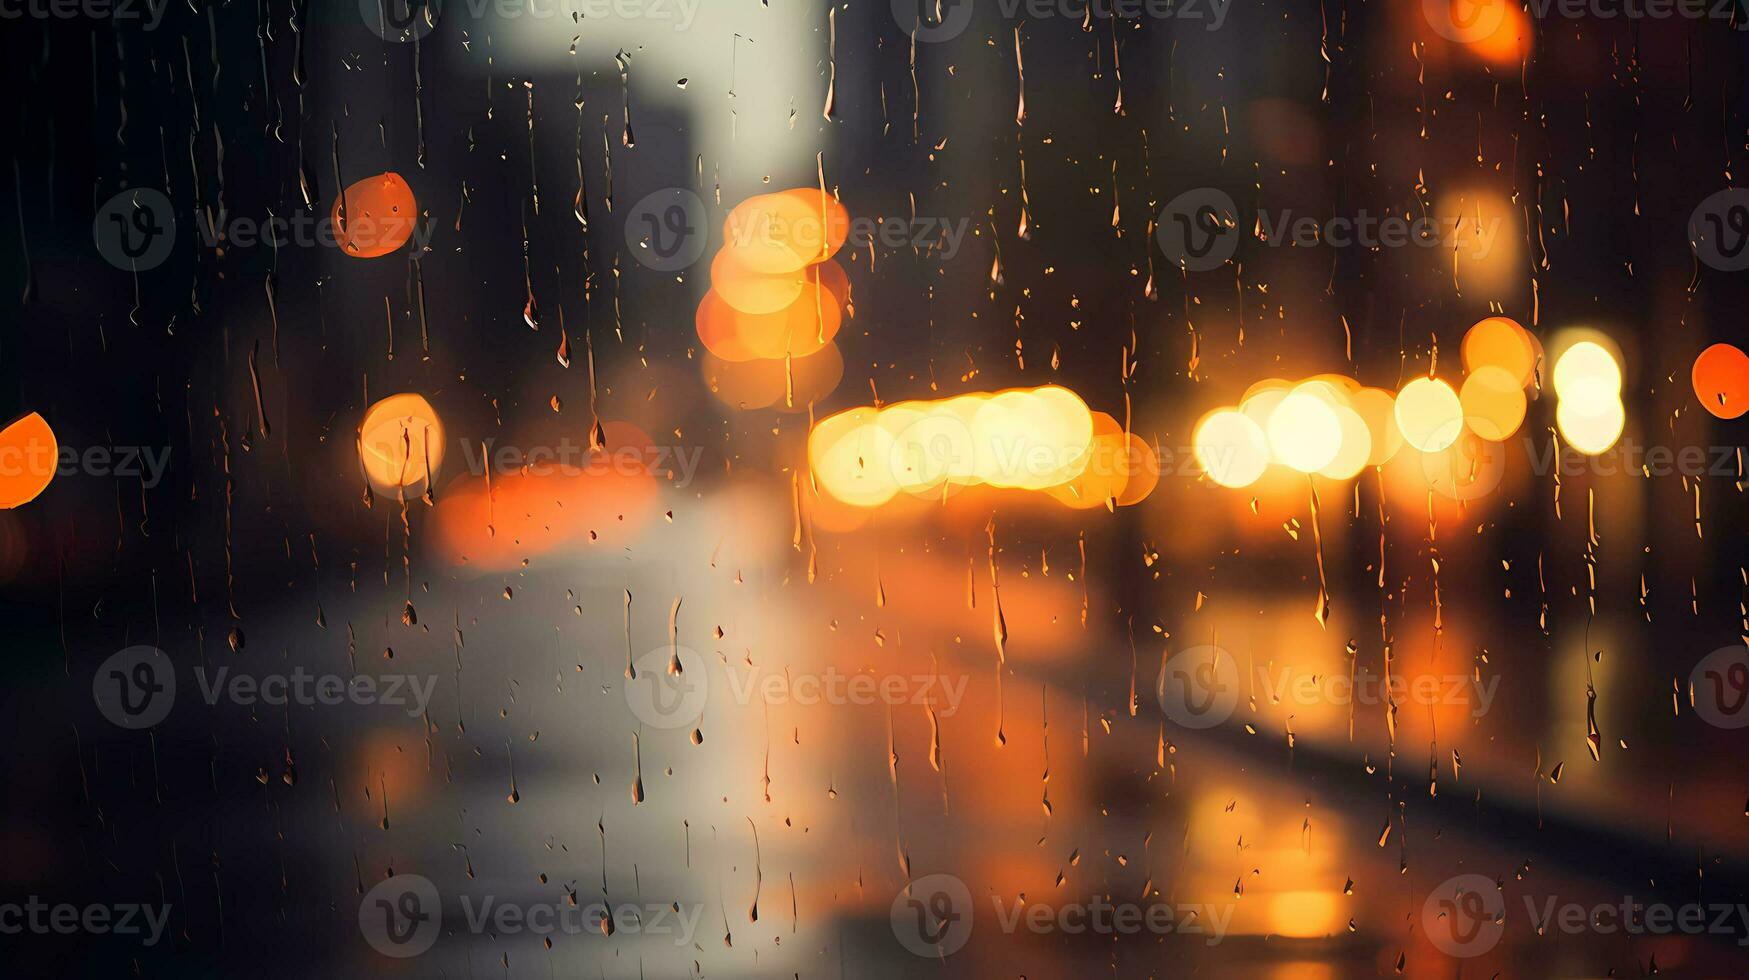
(400, 442)
(1231, 448)
(1355, 448)
(1590, 426)
(1378, 409)
(1429, 414)
(1105, 476)
(1023, 438)
(850, 454)
(1261, 400)
(1304, 433)
(932, 443)
(1586, 365)
(1493, 402)
(1032, 439)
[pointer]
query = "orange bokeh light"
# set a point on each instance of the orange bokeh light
(28, 457)
(496, 524)
(375, 216)
(1721, 380)
(400, 442)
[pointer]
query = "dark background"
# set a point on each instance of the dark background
(1603, 142)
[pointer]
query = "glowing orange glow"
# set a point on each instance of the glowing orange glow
(787, 385)
(1721, 380)
(1305, 914)
(1378, 409)
(534, 513)
(392, 764)
(1500, 342)
(1496, 31)
(1493, 402)
(400, 442)
(785, 231)
(751, 291)
(1105, 476)
(800, 329)
(1142, 470)
(29, 454)
(375, 216)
